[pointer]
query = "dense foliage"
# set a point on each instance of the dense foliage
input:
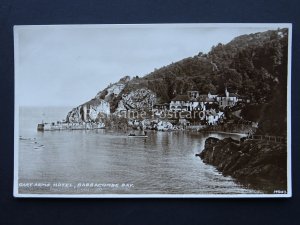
(252, 65)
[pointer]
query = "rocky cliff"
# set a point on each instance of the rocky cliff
(137, 100)
(91, 111)
(119, 96)
(257, 164)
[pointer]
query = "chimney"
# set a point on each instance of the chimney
(226, 92)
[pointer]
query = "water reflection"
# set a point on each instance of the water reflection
(163, 163)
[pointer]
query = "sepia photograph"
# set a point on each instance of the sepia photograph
(153, 110)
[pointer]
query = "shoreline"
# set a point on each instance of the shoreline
(165, 125)
(224, 132)
(254, 163)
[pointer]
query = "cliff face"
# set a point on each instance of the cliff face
(115, 98)
(139, 99)
(91, 111)
(256, 164)
(100, 106)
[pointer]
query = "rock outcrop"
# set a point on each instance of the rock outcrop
(164, 126)
(257, 164)
(100, 106)
(115, 98)
(92, 111)
(140, 99)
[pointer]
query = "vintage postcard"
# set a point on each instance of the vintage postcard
(153, 111)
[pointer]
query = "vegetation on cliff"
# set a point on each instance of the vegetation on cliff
(253, 65)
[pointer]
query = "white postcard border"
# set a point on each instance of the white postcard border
(199, 25)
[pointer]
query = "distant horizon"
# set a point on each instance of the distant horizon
(47, 106)
(86, 59)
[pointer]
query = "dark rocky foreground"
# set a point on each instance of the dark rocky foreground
(256, 164)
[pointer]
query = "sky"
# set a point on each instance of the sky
(67, 65)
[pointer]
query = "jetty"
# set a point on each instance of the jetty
(69, 126)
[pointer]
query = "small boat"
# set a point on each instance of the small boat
(137, 136)
(40, 127)
(144, 135)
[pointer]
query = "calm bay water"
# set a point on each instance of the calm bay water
(105, 161)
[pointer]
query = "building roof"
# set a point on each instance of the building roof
(181, 98)
(233, 95)
(211, 100)
(205, 98)
(202, 98)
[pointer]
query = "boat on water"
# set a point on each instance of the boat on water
(139, 135)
